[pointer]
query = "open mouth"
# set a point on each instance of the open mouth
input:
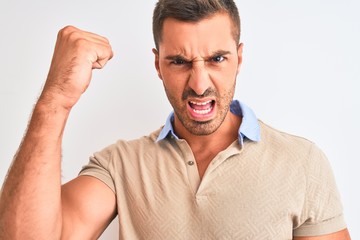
(202, 108)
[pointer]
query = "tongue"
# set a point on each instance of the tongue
(200, 107)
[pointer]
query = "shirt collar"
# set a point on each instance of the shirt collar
(249, 127)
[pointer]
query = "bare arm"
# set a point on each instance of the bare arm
(341, 235)
(30, 202)
(86, 217)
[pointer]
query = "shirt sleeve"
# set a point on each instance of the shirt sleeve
(98, 167)
(322, 211)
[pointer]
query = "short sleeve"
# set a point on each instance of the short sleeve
(322, 212)
(98, 167)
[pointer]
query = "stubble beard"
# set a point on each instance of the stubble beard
(202, 128)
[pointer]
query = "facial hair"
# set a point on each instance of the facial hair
(202, 128)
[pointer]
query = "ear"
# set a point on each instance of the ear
(240, 52)
(157, 65)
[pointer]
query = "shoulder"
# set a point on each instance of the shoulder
(277, 135)
(285, 142)
(130, 148)
(293, 151)
(322, 210)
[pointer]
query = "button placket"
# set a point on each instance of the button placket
(191, 167)
(190, 163)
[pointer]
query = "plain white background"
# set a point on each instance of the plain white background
(300, 74)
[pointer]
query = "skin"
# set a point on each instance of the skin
(341, 235)
(194, 69)
(34, 205)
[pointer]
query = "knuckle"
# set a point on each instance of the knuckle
(66, 31)
(108, 48)
(106, 40)
(77, 40)
(74, 36)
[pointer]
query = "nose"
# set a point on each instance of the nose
(199, 79)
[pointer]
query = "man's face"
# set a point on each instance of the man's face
(198, 63)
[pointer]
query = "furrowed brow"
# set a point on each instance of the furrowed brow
(214, 54)
(176, 57)
(220, 53)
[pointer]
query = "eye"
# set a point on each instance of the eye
(218, 59)
(179, 61)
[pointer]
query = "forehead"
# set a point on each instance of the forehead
(192, 38)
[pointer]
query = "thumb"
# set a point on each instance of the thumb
(100, 63)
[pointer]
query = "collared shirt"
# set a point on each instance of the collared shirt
(249, 127)
(276, 188)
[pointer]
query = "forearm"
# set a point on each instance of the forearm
(30, 201)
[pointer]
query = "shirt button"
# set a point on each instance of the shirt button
(190, 163)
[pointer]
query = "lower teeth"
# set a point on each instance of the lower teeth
(202, 111)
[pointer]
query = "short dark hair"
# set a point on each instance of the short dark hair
(193, 11)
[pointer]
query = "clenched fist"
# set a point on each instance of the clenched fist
(76, 54)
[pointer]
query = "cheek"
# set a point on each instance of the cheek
(224, 79)
(174, 80)
(173, 86)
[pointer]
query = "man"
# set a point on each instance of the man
(212, 172)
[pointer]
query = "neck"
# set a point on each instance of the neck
(219, 140)
(205, 148)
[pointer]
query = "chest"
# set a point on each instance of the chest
(235, 199)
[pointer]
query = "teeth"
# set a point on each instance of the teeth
(202, 106)
(201, 103)
(202, 111)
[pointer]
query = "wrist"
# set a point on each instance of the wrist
(56, 102)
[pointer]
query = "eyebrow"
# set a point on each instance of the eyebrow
(177, 56)
(220, 53)
(214, 54)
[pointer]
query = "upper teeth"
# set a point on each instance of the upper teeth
(200, 103)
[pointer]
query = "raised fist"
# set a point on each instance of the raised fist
(76, 54)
